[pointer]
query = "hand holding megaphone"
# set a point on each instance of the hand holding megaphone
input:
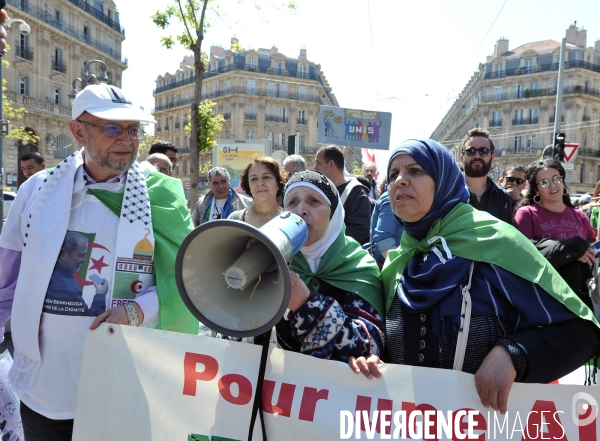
(299, 294)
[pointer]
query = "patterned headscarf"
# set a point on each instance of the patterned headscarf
(450, 184)
(318, 182)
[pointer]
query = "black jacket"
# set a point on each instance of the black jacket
(357, 213)
(499, 203)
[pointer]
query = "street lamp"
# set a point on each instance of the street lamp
(89, 78)
(24, 29)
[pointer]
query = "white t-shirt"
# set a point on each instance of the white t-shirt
(216, 209)
(71, 305)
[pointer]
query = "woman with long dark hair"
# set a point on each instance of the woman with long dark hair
(560, 232)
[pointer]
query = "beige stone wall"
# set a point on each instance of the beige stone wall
(55, 25)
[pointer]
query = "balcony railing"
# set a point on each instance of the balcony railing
(308, 150)
(518, 152)
(177, 124)
(99, 15)
(176, 84)
(59, 66)
(159, 129)
(540, 68)
(586, 118)
(250, 116)
(524, 121)
(302, 121)
(492, 97)
(496, 123)
(78, 34)
(27, 101)
(552, 118)
(25, 52)
(279, 119)
(227, 116)
(590, 152)
(278, 71)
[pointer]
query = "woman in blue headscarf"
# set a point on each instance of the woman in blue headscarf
(469, 292)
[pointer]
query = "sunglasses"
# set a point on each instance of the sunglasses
(483, 151)
(546, 183)
(114, 130)
(511, 179)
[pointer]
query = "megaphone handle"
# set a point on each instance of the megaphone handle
(257, 405)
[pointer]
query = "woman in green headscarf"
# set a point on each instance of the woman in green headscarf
(467, 291)
(336, 303)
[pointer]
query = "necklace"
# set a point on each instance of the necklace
(217, 214)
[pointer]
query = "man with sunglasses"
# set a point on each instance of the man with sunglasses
(133, 220)
(477, 157)
(513, 181)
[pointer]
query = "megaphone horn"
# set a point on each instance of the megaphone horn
(234, 277)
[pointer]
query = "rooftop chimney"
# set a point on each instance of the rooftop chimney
(597, 46)
(500, 47)
(302, 54)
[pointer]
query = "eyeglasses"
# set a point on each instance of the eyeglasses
(114, 130)
(511, 179)
(545, 183)
(483, 151)
(175, 162)
(162, 170)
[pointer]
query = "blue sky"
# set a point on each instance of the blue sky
(408, 58)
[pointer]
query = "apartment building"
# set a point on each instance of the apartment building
(65, 35)
(513, 95)
(262, 94)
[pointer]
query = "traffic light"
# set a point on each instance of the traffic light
(558, 152)
(291, 147)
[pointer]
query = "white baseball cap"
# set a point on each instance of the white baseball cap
(108, 102)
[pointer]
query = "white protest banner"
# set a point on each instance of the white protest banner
(143, 384)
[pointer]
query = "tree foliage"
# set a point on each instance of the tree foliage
(209, 125)
(15, 115)
(193, 23)
(146, 142)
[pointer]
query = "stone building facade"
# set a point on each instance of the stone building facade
(65, 35)
(513, 95)
(262, 94)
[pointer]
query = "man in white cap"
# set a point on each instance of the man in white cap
(132, 225)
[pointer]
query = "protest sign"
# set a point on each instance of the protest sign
(144, 384)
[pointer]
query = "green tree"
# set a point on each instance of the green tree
(209, 125)
(192, 14)
(146, 142)
(14, 115)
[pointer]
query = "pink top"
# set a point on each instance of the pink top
(537, 222)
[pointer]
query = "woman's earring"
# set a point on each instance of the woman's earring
(535, 200)
(565, 191)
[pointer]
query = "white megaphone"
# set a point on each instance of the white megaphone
(234, 278)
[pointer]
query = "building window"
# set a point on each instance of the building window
(301, 141)
(57, 96)
(272, 89)
(271, 137)
(533, 86)
(185, 142)
(227, 134)
(251, 86)
(496, 119)
(302, 92)
(582, 173)
(283, 114)
(497, 96)
(62, 147)
(283, 91)
(531, 142)
(301, 116)
(86, 34)
(24, 85)
(520, 91)
(498, 70)
(518, 117)
(228, 86)
(278, 67)
(533, 119)
(185, 167)
(303, 72)
(517, 143)
(528, 66)
(282, 139)
(203, 91)
(249, 134)
(251, 64)
(177, 141)
(213, 89)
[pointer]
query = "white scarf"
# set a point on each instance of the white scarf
(44, 223)
(314, 252)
